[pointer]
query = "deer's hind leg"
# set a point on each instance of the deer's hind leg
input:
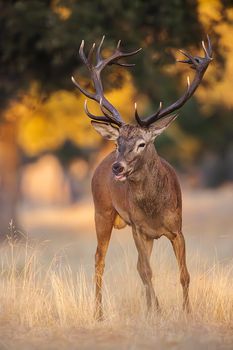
(104, 224)
(178, 244)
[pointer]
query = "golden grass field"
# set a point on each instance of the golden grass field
(47, 289)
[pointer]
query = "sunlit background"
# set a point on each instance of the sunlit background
(47, 147)
(48, 153)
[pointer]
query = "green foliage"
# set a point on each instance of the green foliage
(40, 39)
(38, 43)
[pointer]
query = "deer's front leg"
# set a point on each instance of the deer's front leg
(104, 224)
(144, 247)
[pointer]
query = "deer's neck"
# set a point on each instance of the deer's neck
(149, 182)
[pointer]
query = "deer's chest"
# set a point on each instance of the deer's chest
(152, 214)
(146, 217)
(147, 220)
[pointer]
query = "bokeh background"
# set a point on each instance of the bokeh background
(48, 152)
(48, 149)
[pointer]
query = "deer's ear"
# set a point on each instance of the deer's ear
(108, 131)
(160, 125)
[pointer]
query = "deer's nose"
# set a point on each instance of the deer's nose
(117, 168)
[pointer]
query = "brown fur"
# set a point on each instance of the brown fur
(149, 201)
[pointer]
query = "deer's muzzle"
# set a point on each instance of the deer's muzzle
(118, 170)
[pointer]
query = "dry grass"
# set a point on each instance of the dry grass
(46, 305)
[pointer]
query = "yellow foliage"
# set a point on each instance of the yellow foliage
(218, 92)
(186, 146)
(62, 11)
(209, 11)
(46, 125)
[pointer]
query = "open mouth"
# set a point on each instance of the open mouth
(120, 177)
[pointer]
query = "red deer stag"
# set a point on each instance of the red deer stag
(133, 185)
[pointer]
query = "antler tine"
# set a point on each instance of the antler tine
(139, 121)
(85, 92)
(159, 109)
(108, 115)
(142, 122)
(113, 59)
(208, 51)
(105, 112)
(95, 117)
(82, 54)
(124, 54)
(90, 55)
(200, 65)
(124, 64)
(190, 59)
(120, 54)
(204, 48)
(98, 53)
(127, 54)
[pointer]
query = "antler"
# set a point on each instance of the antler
(200, 64)
(110, 112)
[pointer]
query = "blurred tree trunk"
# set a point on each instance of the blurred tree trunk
(8, 175)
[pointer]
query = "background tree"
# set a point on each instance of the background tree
(38, 46)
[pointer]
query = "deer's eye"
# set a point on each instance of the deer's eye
(141, 146)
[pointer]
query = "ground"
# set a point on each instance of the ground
(47, 282)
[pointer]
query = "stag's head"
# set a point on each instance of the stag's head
(134, 140)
